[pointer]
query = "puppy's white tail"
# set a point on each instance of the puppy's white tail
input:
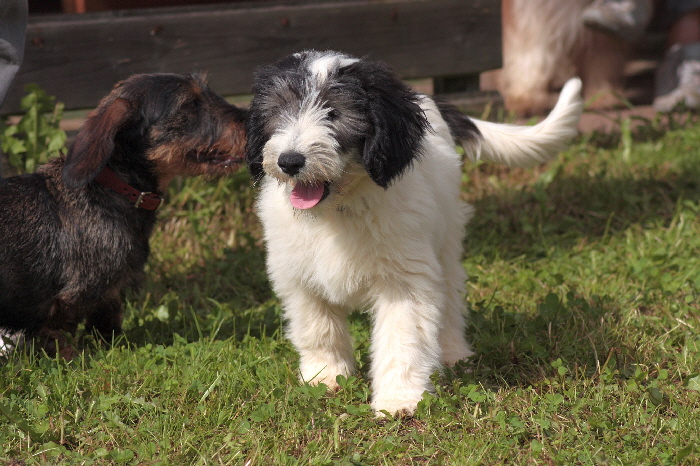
(524, 146)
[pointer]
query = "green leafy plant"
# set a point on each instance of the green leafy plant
(36, 137)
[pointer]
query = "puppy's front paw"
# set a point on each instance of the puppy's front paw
(328, 380)
(400, 405)
(316, 374)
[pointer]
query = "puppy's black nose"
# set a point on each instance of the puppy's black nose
(291, 162)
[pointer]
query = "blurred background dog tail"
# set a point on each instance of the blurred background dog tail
(524, 146)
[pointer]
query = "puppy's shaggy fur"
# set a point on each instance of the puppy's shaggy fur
(75, 234)
(360, 204)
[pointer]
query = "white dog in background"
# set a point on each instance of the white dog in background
(360, 205)
(545, 42)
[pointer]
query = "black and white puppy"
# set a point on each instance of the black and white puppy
(360, 205)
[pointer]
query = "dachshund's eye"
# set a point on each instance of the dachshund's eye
(332, 114)
(189, 106)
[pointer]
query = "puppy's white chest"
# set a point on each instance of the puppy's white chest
(339, 266)
(327, 259)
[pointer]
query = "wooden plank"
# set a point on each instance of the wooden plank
(78, 58)
(452, 84)
(82, 6)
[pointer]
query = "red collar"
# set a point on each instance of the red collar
(141, 200)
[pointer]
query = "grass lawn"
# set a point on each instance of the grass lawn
(585, 297)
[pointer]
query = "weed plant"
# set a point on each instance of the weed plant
(36, 137)
(585, 319)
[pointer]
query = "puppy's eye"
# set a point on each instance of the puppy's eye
(332, 114)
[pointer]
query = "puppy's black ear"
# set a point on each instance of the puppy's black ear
(95, 142)
(398, 124)
(256, 139)
(261, 111)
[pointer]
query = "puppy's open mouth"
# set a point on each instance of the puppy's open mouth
(305, 196)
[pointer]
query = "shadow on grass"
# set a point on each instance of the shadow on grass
(588, 195)
(571, 209)
(223, 297)
(514, 348)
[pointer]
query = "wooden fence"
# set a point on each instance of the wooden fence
(79, 57)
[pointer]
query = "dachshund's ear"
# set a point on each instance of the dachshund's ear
(398, 124)
(94, 143)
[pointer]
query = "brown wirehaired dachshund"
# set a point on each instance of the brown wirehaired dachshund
(74, 235)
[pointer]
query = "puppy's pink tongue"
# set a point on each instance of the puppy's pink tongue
(306, 196)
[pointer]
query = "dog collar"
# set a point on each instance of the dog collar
(140, 199)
